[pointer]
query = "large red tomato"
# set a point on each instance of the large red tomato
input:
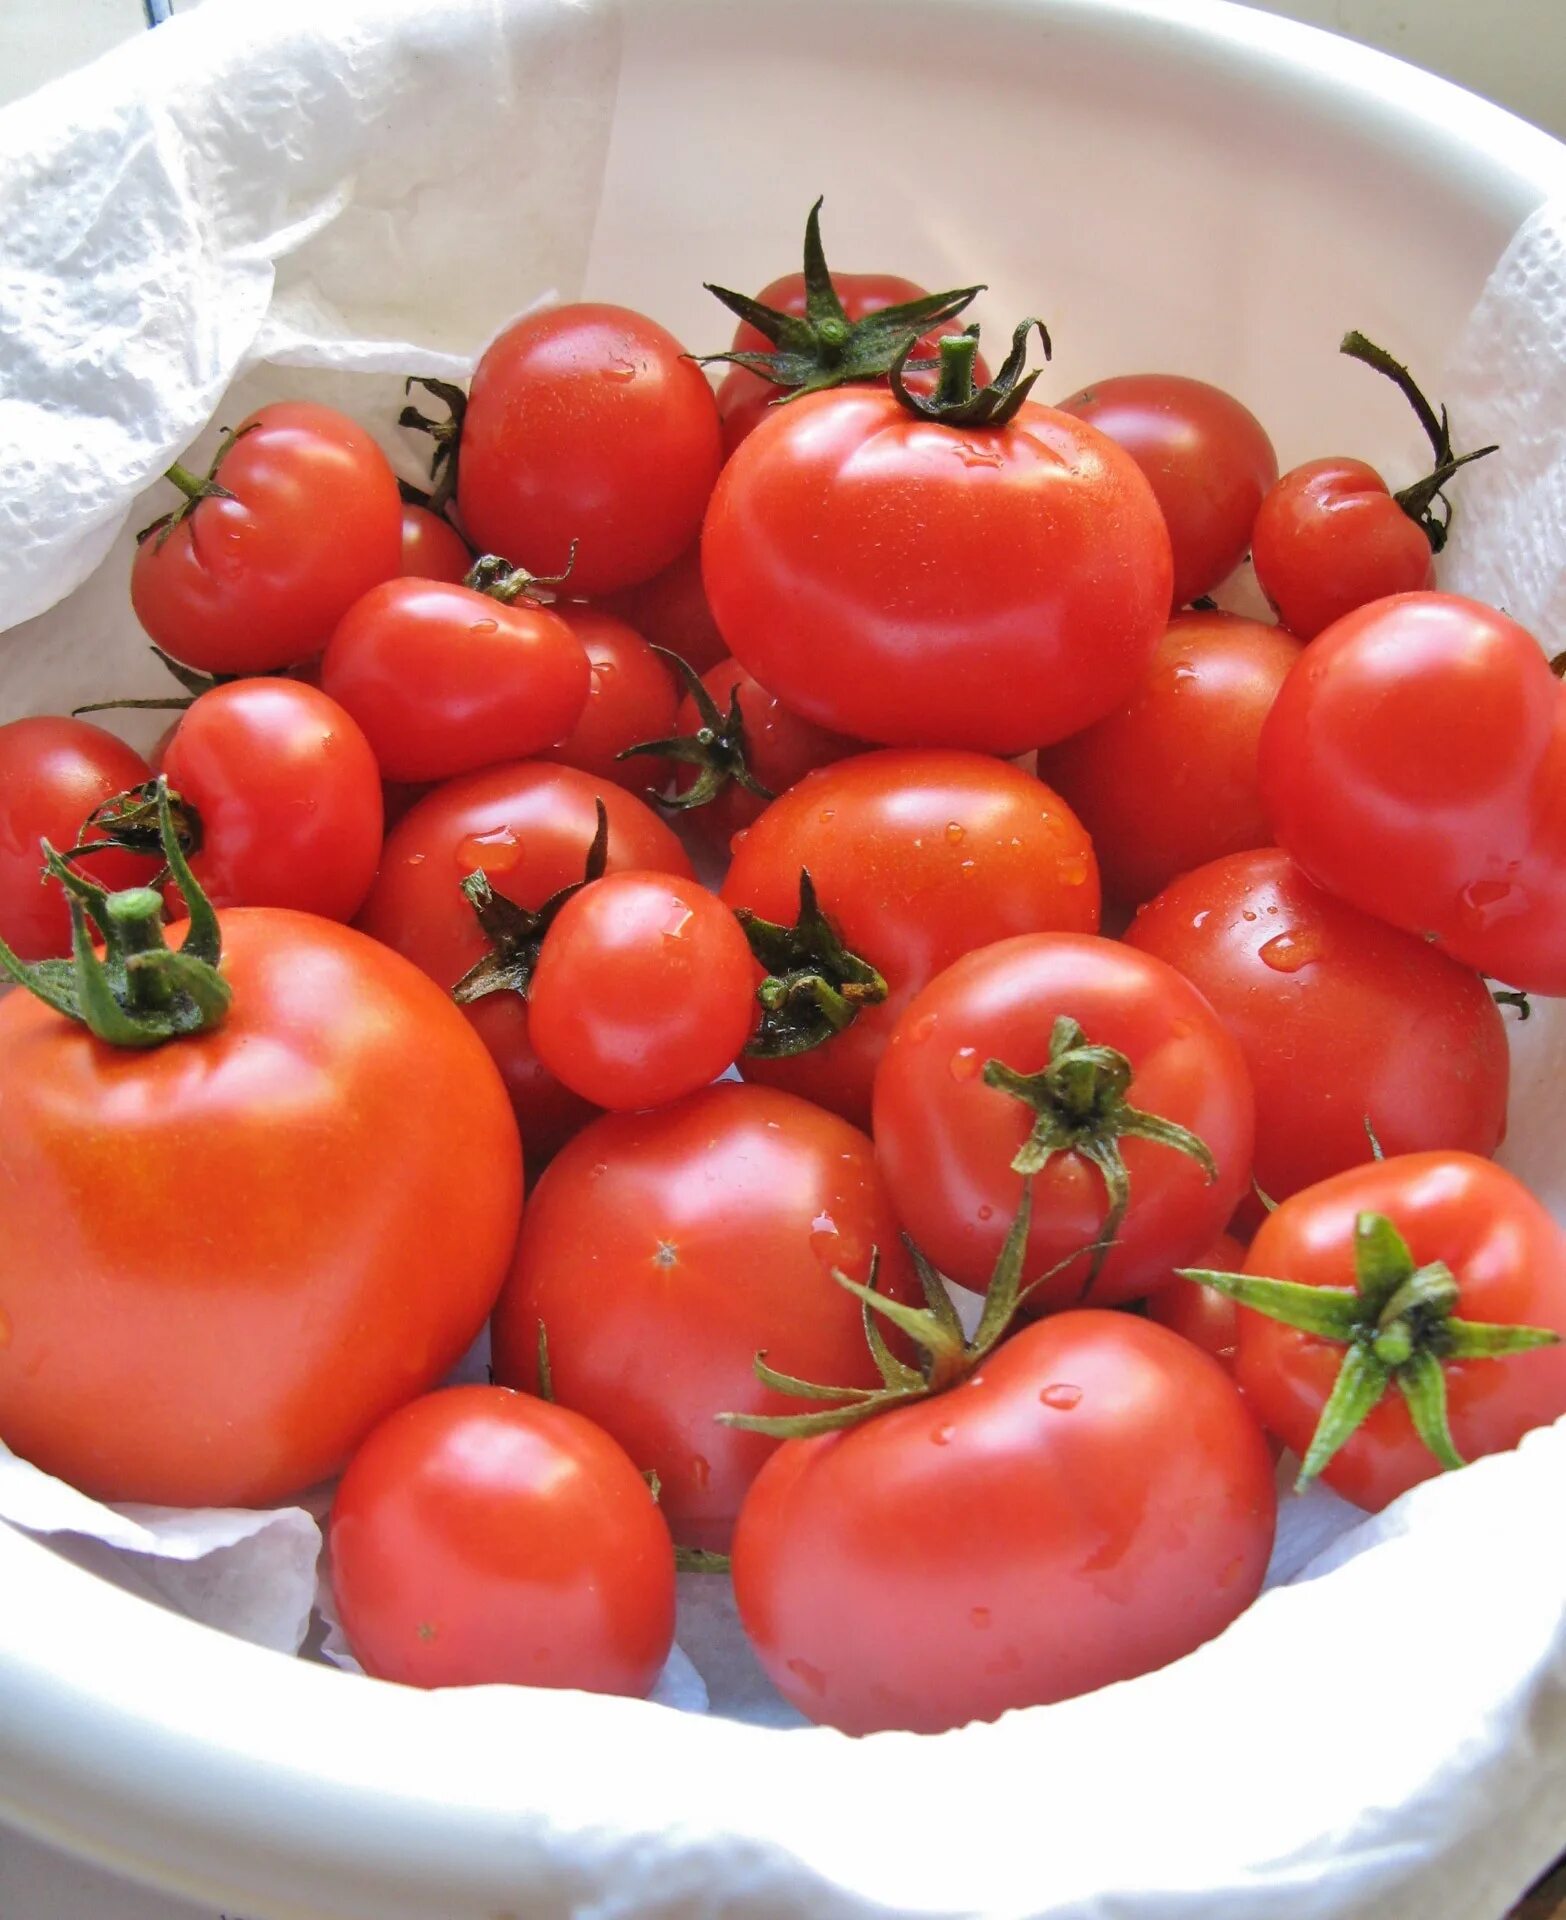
(663, 1250)
(528, 828)
(915, 858)
(1090, 1504)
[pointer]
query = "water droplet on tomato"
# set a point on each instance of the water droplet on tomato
(494, 850)
(921, 1030)
(979, 1617)
(956, 832)
(1289, 952)
(485, 626)
(966, 867)
(415, 859)
(942, 1436)
(1072, 871)
(981, 456)
(1201, 918)
(1246, 914)
(1486, 901)
(1060, 1395)
(677, 920)
(826, 815)
(598, 1169)
(986, 1212)
(736, 839)
(964, 1064)
(620, 369)
(813, 1677)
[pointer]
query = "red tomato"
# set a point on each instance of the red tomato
(946, 1137)
(1508, 1258)
(587, 423)
(1414, 764)
(1168, 781)
(445, 680)
(1342, 1019)
(1203, 1315)
(1207, 457)
(199, 1236)
(644, 990)
(664, 1250)
(432, 548)
(527, 827)
(916, 858)
(841, 564)
(1090, 1504)
(671, 611)
(1329, 538)
(256, 575)
(286, 794)
(53, 773)
(631, 696)
(481, 1537)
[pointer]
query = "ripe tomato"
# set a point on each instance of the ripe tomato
(1376, 1233)
(990, 1057)
(1208, 459)
(481, 1538)
(445, 680)
(528, 828)
(1414, 764)
(1343, 1020)
(286, 798)
(915, 858)
(432, 548)
(1203, 1315)
(670, 611)
(631, 696)
(227, 1257)
(587, 423)
(842, 566)
(644, 990)
(664, 1250)
(1329, 537)
(1168, 781)
(299, 517)
(1092, 1503)
(53, 773)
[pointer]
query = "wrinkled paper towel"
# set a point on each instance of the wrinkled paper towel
(240, 208)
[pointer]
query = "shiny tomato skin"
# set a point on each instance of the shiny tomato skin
(485, 1538)
(842, 567)
(1341, 1018)
(1204, 1316)
(432, 548)
(258, 581)
(587, 422)
(644, 991)
(528, 827)
(288, 795)
(631, 697)
(53, 772)
(665, 1249)
(1509, 1259)
(1168, 781)
(1207, 457)
(945, 1140)
(1328, 538)
(1091, 1504)
(917, 858)
(200, 1232)
(444, 680)
(1414, 764)
(670, 610)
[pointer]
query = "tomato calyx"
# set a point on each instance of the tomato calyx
(196, 487)
(815, 986)
(718, 747)
(1079, 1106)
(141, 992)
(140, 820)
(515, 935)
(1399, 1327)
(498, 579)
(1424, 502)
(447, 435)
(956, 402)
(824, 348)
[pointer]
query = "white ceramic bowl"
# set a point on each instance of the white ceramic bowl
(1171, 181)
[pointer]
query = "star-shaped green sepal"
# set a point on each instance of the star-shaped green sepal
(718, 749)
(515, 933)
(815, 986)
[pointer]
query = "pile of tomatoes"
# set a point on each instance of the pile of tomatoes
(820, 724)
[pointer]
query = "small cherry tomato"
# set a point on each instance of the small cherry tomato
(670, 611)
(481, 1537)
(588, 424)
(1169, 781)
(631, 696)
(445, 680)
(299, 517)
(1096, 1068)
(53, 773)
(1207, 458)
(1329, 537)
(432, 548)
(664, 1250)
(644, 990)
